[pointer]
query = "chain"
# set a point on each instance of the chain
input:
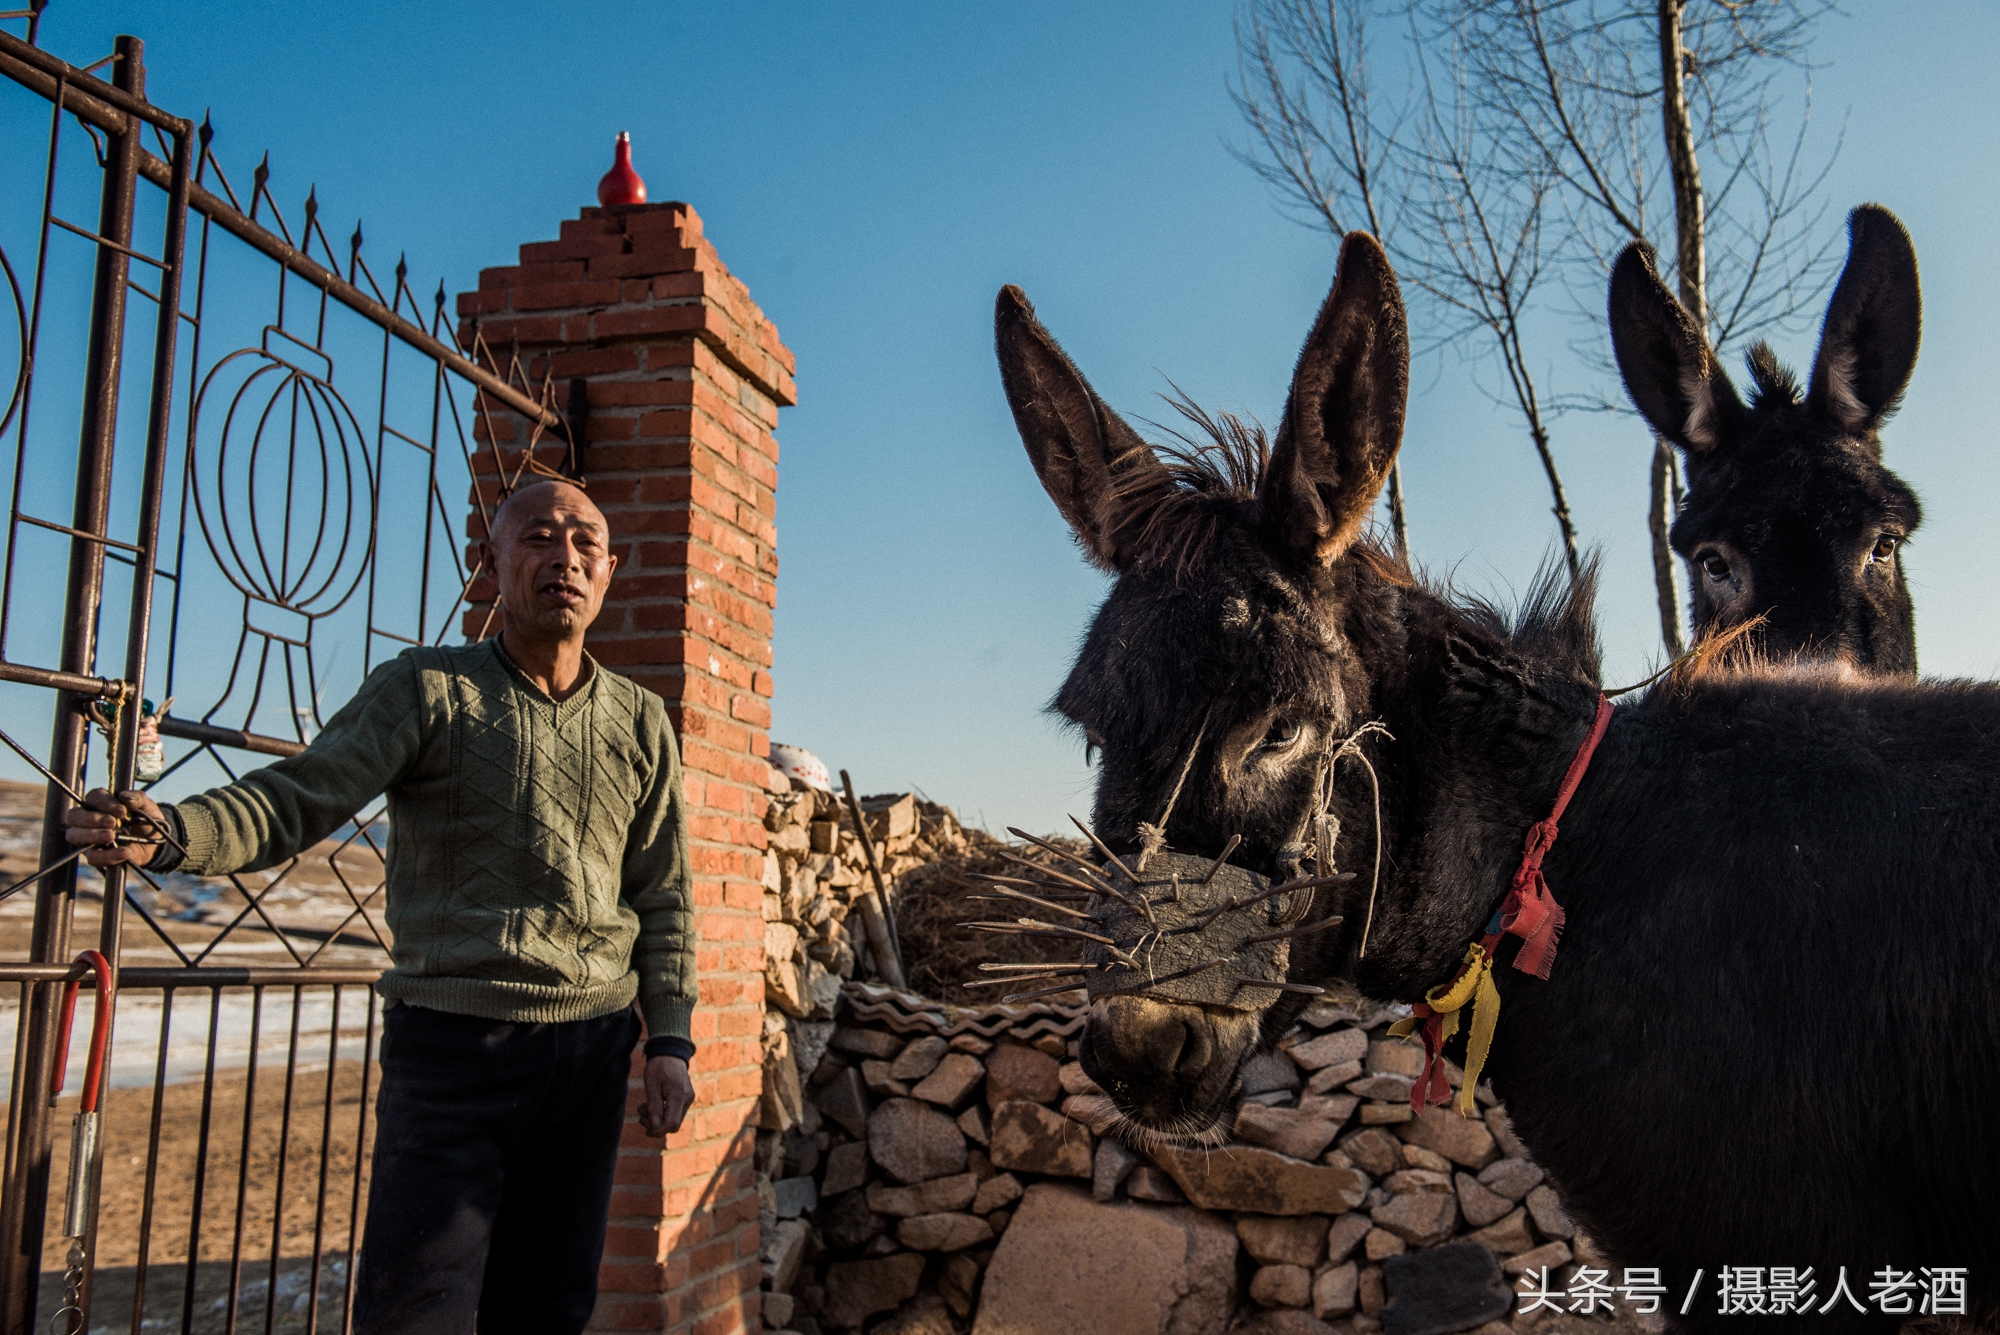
(68, 1319)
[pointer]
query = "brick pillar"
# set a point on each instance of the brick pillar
(685, 377)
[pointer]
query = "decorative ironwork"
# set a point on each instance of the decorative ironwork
(291, 512)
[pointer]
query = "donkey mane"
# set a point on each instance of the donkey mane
(1773, 384)
(1215, 469)
(1555, 625)
(1217, 466)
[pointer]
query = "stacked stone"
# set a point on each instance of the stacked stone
(817, 865)
(935, 1185)
(816, 868)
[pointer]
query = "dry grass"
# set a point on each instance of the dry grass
(939, 956)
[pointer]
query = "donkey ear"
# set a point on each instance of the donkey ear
(1674, 378)
(1869, 347)
(1344, 420)
(1097, 470)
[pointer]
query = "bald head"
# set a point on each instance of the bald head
(543, 500)
(551, 555)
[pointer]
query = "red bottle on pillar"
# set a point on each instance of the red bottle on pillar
(621, 185)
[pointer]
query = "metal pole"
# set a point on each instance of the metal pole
(21, 1221)
(159, 424)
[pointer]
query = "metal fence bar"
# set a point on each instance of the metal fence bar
(243, 1167)
(225, 1290)
(360, 1169)
(152, 1166)
(200, 1164)
(284, 1161)
(103, 105)
(297, 261)
(214, 975)
(22, 1216)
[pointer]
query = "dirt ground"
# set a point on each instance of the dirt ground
(239, 1202)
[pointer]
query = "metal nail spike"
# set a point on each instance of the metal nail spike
(1066, 880)
(1030, 927)
(1235, 840)
(1167, 935)
(1283, 933)
(1002, 890)
(1306, 988)
(1105, 849)
(1042, 888)
(1084, 863)
(1037, 968)
(1041, 992)
(1070, 986)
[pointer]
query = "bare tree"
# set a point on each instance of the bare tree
(1574, 116)
(1483, 257)
(1325, 154)
(1591, 86)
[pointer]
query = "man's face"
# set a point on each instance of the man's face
(551, 555)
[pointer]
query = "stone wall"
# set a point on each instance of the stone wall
(933, 1170)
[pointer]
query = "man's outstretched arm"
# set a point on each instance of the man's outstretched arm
(273, 813)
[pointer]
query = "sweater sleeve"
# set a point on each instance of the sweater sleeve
(276, 812)
(656, 887)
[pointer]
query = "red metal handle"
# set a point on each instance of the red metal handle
(100, 1031)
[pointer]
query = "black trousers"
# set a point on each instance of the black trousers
(494, 1150)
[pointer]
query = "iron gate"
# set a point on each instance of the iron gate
(281, 517)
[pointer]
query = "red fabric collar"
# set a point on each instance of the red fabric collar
(1529, 911)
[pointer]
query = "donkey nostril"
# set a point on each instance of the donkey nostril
(1197, 1050)
(1137, 1042)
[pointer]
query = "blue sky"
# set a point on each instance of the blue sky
(875, 172)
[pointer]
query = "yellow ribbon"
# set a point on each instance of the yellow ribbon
(1475, 985)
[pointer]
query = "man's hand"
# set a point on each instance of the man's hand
(669, 1095)
(103, 820)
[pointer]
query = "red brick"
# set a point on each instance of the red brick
(594, 362)
(657, 320)
(589, 225)
(640, 393)
(644, 263)
(517, 275)
(553, 296)
(595, 249)
(482, 302)
(525, 329)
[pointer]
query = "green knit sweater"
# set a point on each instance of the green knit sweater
(538, 866)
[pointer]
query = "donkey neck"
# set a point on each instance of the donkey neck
(1485, 726)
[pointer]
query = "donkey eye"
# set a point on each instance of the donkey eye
(1885, 547)
(1715, 567)
(1281, 735)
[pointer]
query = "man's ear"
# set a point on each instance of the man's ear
(1344, 421)
(1104, 479)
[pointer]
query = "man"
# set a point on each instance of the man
(537, 885)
